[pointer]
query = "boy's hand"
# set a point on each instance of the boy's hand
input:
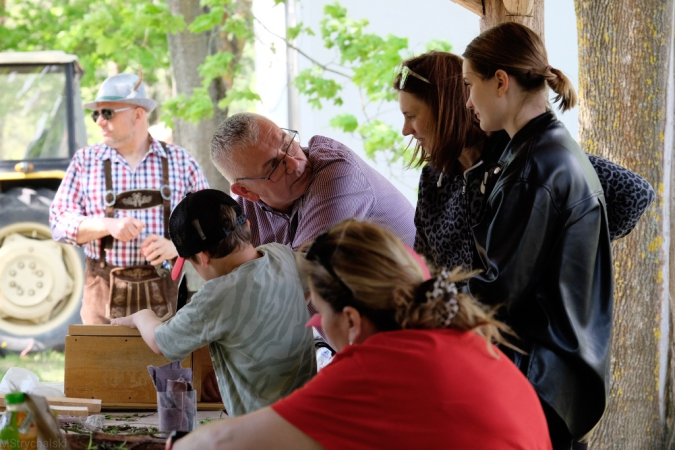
(157, 249)
(127, 321)
(146, 321)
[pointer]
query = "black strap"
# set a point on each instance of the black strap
(166, 190)
(110, 200)
(107, 241)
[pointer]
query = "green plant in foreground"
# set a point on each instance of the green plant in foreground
(209, 420)
(91, 445)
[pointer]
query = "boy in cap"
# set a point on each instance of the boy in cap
(116, 196)
(251, 310)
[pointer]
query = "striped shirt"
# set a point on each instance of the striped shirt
(343, 186)
(253, 320)
(82, 190)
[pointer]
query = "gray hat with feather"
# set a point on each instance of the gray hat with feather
(123, 88)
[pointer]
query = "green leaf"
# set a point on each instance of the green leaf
(234, 95)
(311, 83)
(345, 122)
(193, 109)
(378, 136)
(238, 26)
(206, 22)
(335, 10)
(293, 32)
(215, 66)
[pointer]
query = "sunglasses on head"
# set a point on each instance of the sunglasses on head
(107, 113)
(405, 72)
(319, 252)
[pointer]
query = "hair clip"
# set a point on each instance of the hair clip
(441, 288)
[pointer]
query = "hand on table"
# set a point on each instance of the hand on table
(127, 321)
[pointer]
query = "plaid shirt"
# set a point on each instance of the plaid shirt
(343, 186)
(83, 188)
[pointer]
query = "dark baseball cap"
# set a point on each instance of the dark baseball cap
(196, 224)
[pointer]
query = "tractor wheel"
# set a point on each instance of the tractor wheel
(41, 281)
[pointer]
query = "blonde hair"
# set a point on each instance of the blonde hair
(521, 53)
(374, 272)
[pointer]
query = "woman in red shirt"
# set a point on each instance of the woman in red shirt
(416, 365)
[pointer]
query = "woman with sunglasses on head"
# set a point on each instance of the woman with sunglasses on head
(457, 153)
(415, 366)
(463, 165)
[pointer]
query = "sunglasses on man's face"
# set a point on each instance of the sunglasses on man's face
(405, 73)
(107, 113)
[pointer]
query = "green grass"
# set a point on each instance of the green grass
(48, 366)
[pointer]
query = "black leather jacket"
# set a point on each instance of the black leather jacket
(544, 244)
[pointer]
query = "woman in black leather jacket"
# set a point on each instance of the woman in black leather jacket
(543, 236)
(457, 152)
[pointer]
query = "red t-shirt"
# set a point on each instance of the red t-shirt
(426, 389)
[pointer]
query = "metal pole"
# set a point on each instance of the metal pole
(291, 71)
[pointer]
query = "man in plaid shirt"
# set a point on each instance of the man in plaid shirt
(137, 171)
(291, 194)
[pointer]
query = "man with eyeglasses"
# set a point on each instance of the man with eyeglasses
(291, 193)
(117, 195)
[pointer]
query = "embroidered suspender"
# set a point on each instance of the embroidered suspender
(135, 199)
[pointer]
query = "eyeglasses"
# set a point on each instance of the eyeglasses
(107, 113)
(405, 72)
(318, 252)
(290, 150)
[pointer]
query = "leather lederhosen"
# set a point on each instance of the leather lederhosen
(112, 291)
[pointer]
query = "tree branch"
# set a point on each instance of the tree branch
(312, 60)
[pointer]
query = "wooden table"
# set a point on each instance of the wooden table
(143, 418)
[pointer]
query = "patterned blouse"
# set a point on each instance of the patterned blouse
(446, 210)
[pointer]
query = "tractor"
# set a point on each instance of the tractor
(41, 127)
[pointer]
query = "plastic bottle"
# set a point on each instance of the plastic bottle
(323, 357)
(17, 429)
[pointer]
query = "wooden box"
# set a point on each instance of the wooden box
(110, 363)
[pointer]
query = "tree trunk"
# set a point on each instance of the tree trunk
(625, 53)
(188, 51)
(669, 150)
(496, 12)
